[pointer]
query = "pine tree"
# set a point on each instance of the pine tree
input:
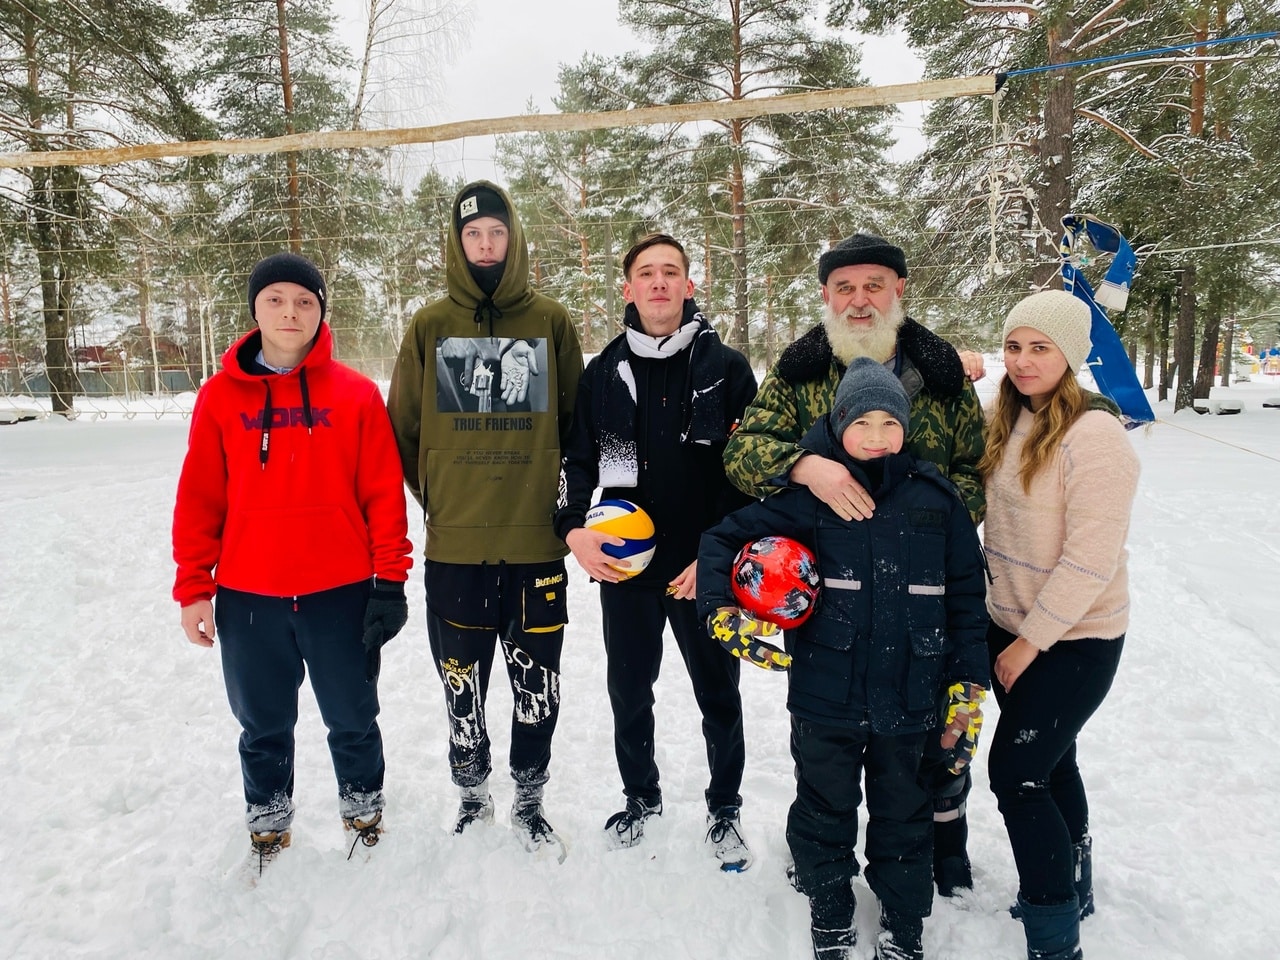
(81, 76)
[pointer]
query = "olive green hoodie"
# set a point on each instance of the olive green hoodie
(485, 469)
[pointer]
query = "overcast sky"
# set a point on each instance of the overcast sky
(515, 48)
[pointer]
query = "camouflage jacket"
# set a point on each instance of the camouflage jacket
(946, 418)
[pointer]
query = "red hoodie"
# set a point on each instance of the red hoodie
(313, 502)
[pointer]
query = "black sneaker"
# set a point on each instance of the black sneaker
(626, 827)
(726, 840)
(534, 831)
(367, 832)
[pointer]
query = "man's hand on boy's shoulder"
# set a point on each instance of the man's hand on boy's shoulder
(831, 483)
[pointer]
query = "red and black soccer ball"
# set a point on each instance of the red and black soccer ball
(776, 579)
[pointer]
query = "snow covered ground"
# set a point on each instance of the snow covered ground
(124, 825)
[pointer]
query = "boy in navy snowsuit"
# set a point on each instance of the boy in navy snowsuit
(897, 634)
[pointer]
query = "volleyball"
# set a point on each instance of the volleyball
(776, 579)
(624, 519)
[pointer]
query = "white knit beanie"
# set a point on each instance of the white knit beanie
(1063, 318)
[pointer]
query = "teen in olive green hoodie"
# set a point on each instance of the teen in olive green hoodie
(481, 399)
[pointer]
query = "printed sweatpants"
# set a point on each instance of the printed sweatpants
(267, 645)
(822, 825)
(523, 607)
(1032, 761)
(634, 617)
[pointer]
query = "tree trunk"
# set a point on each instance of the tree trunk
(291, 159)
(1228, 345)
(1185, 341)
(1166, 311)
(1055, 153)
(1208, 351)
(741, 338)
(1149, 349)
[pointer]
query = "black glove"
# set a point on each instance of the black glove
(384, 616)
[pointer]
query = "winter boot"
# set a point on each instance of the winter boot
(1084, 875)
(831, 924)
(626, 827)
(265, 847)
(725, 836)
(1053, 930)
(900, 937)
(476, 805)
(951, 870)
(1083, 855)
(366, 832)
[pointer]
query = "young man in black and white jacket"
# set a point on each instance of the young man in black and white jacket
(654, 411)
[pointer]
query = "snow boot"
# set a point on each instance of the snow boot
(1082, 853)
(626, 827)
(831, 924)
(725, 836)
(476, 806)
(366, 832)
(1053, 930)
(1084, 875)
(952, 872)
(900, 937)
(265, 847)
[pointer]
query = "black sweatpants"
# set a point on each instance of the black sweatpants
(523, 607)
(822, 825)
(1032, 761)
(633, 617)
(267, 644)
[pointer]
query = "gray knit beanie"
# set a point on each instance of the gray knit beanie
(868, 386)
(1063, 318)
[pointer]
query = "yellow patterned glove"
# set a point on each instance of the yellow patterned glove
(741, 635)
(963, 723)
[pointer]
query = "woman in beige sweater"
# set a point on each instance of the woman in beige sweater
(1060, 478)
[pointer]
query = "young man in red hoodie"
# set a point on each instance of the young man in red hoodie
(291, 510)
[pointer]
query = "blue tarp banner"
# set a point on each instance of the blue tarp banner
(1108, 360)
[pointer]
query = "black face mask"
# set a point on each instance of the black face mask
(488, 278)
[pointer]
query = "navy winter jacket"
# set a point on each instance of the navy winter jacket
(901, 611)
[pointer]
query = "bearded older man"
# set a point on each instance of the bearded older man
(863, 278)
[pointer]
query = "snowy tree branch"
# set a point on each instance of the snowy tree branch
(1119, 131)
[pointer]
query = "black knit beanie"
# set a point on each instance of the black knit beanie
(481, 201)
(286, 268)
(862, 248)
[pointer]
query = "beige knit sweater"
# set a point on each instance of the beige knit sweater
(1057, 555)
